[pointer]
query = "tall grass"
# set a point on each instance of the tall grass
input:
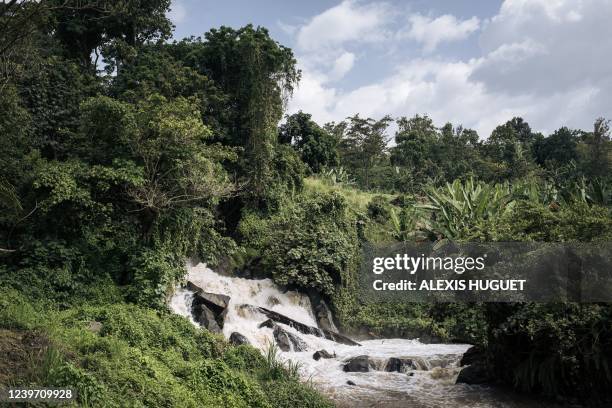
(275, 368)
(356, 199)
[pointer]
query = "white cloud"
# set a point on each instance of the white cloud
(433, 31)
(342, 65)
(545, 60)
(348, 21)
(546, 47)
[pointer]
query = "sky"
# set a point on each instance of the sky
(475, 63)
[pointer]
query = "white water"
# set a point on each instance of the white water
(432, 384)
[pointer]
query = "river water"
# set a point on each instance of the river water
(430, 384)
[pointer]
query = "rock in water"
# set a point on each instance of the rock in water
(322, 354)
(359, 364)
(216, 302)
(288, 341)
(400, 365)
(303, 328)
(349, 382)
(472, 355)
(238, 339)
(268, 323)
(321, 311)
(204, 304)
(205, 317)
(474, 374)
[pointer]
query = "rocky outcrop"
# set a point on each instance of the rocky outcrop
(476, 373)
(322, 354)
(321, 311)
(472, 355)
(205, 317)
(238, 339)
(208, 309)
(475, 370)
(303, 328)
(359, 364)
(288, 341)
(400, 365)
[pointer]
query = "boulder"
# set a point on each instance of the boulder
(476, 373)
(216, 302)
(204, 304)
(268, 323)
(238, 339)
(349, 382)
(360, 364)
(400, 365)
(288, 341)
(205, 317)
(321, 311)
(322, 354)
(301, 327)
(472, 355)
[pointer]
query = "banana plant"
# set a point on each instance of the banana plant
(459, 205)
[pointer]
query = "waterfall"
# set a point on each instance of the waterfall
(400, 372)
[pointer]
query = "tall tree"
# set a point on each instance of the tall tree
(364, 144)
(316, 146)
(258, 74)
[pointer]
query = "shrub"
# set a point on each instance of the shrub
(379, 209)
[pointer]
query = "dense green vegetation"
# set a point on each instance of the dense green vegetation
(124, 154)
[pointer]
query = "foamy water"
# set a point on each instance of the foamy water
(431, 384)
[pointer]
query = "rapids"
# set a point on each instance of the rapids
(431, 383)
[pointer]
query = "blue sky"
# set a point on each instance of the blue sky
(476, 63)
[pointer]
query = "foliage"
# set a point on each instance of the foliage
(310, 243)
(317, 147)
(460, 205)
(145, 358)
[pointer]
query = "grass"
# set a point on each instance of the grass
(138, 358)
(356, 199)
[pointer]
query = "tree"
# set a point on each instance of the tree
(512, 144)
(557, 149)
(114, 28)
(258, 75)
(598, 149)
(364, 144)
(316, 146)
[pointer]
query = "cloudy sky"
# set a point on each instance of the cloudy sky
(472, 62)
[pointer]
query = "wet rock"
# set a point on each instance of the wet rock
(359, 364)
(321, 311)
(400, 365)
(288, 341)
(474, 374)
(205, 317)
(216, 302)
(472, 355)
(349, 382)
(268, 323)
(304, 328)
(238, 339)
(208, 309)
(322, 354)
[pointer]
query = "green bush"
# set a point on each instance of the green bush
(311, 244)
(379, 209)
